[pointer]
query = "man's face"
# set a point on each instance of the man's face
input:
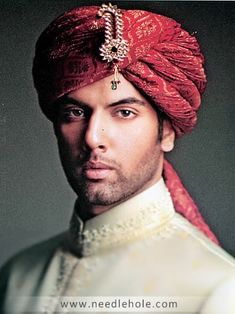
(108, 142)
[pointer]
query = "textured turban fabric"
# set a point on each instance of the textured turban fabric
(164, 63)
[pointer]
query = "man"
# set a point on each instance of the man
(118, 87)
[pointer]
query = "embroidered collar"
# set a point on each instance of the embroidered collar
(147, 211)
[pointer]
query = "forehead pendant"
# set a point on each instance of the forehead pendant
(114, 48)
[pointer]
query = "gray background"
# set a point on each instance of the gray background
(36, 201)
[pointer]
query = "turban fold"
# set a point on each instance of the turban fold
(164, 63)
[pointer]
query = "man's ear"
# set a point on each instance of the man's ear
(168, 137)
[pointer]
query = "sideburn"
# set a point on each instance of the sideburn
(161, 118)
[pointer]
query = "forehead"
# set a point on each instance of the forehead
(102, 91)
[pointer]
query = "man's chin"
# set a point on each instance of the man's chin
(100, 192)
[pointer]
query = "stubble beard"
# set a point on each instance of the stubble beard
(111, 191)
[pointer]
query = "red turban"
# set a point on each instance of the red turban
(164, 63)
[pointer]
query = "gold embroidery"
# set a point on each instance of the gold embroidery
(145, 29)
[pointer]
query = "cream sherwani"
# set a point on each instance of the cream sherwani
(139, 248)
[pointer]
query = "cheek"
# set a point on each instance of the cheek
(71, 134)
(143, 134)
(69, 139)
(135, 144)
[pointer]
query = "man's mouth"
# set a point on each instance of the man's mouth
(96, 170)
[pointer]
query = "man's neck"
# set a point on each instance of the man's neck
(87, 210)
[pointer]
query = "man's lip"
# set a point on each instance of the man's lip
(96, 170)
(97, 173)
(96, 165)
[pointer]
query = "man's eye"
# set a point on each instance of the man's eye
(125, 113)
(73, 113)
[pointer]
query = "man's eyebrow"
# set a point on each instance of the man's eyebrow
(64, 100)
(129, 100)
(69, 100)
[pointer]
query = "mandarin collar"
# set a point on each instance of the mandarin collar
(148, 210)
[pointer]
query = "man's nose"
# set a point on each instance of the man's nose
(96, 132)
